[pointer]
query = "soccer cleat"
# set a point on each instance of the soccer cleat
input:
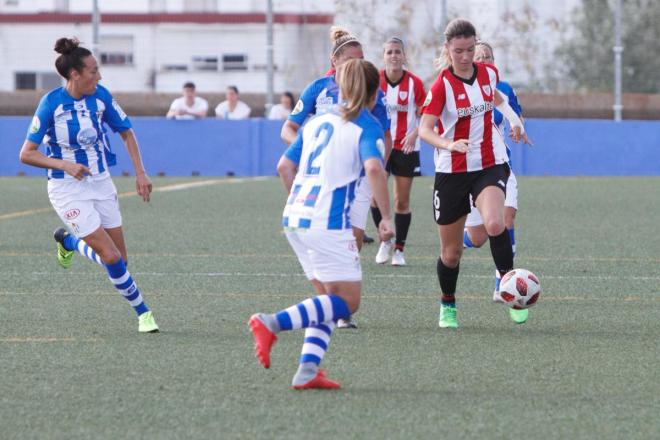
(367, 239)
(346, 323)
(264, 339)
(64, 257)
(398, 259)
(147, 323)
(384, 252)
(447, 317)
(320, 382)
(519, 316)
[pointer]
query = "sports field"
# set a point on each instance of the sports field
(207, 256)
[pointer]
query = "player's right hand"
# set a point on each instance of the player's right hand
(459, 146)
(76, 170)
(385, 230)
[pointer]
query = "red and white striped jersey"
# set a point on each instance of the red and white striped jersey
(465, 111)
(403, 98)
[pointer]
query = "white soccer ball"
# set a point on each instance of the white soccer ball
(520, 289)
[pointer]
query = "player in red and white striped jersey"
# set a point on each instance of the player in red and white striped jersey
(470, 157)
(405, 94)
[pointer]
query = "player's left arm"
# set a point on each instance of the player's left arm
(143, 184)
(287, 167)
(411, 137)
(501, 104)
(515, 105)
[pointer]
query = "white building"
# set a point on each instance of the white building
(157, 45)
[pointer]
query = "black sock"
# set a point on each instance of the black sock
(500, 247)
(448, 278)
(376, 215)
(401, 226)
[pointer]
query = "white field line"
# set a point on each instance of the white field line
(299, 275)
(167, 188)
(583, 297)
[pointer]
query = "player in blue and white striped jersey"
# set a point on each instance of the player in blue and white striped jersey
(330, 154)
(475, 234)
(321, 96)
(70, 122)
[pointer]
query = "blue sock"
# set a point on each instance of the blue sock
(123, 281)
(512, 236)
(73, 243)
(466, 240)
(312, 312)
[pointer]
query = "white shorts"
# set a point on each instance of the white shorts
(510, 201)
(327, 255)
(85, 205)
(361, 204)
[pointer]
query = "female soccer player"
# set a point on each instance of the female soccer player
(331, 153)
(405, 95)
(470, 157)
(475, 234)
(70, 120)
(321, 96)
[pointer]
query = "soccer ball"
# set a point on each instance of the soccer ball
(520, 289)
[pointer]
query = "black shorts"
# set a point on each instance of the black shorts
(451, 191)
(404, 165)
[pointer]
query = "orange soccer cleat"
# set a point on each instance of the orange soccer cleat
(320, 382)
(264, 339)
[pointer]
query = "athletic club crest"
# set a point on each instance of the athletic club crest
(403, 96)
(486, 89)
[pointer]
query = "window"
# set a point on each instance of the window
(37, 80)
(26, 80)
(175, 67)
(234, 62)
(205, 63)
(116, 50)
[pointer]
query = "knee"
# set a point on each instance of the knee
(401, 206)
(494, 227)
(451, 255)
(110, 256)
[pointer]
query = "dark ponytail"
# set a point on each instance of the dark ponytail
(71, 56)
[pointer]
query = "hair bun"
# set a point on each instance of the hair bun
(65, 46)
(337, 32)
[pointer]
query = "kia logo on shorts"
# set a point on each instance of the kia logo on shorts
(71, 214)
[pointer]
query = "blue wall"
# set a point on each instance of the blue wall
(249, 148)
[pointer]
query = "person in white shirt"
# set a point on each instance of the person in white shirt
(232, 108)
(189, 106)
(283, 109)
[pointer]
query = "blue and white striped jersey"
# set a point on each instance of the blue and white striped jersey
(323, 94)
(330, 153)
(73, 130)
(498, 118)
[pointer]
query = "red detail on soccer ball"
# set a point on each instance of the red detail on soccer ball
(532, 277)
(533, 299)
(506, 296)
(507, 276)
(521, 286)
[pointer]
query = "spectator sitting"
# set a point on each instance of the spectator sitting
(283, 109)
(188, 106)
(232, 108)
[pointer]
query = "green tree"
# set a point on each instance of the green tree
(587, 54)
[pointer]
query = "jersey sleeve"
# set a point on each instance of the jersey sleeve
(380, 110)
(435, 99)
(513, 101)
(113, 115)
(42, 120)
(294, 152)
(372, 143)
(420, 93)
(306, 105)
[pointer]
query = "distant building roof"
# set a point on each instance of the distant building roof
(195, 17)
